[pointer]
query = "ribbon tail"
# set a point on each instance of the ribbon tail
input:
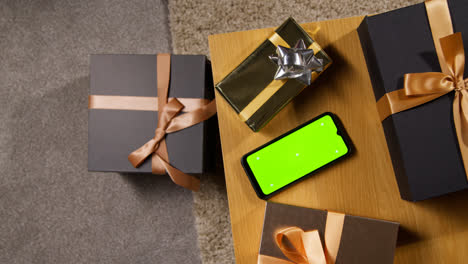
(314, 249)
(137, 157)
(333, 232)
(156, 164)
(460, 118)
(178, 177)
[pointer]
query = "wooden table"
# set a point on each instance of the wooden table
(433, 231)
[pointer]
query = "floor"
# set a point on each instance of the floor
(51, 209)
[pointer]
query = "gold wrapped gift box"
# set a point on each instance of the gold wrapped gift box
(251, 88)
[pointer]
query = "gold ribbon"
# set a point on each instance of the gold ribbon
(420, 88)
(169, 120)
(306, 247)
(275, 85)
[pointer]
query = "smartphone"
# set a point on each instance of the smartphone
(296, 154)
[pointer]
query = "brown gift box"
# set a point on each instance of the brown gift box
(114, 134)
(363, 240)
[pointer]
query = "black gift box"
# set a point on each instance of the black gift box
(114, 134)
(422, 141)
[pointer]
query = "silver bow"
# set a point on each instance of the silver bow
(296, 63)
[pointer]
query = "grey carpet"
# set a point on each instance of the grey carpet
(191, 22)
(51, 209)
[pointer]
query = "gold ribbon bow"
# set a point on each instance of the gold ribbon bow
(302, 247)
(168, 122)
(420, 88)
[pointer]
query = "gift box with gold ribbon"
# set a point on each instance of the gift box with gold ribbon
(278, 70)
(147, 114)
(416, 64)
(297, 235)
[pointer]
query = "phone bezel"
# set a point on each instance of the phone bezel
(340, 131)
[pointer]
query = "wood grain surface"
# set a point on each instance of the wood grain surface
(432, 231)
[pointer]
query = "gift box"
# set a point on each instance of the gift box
(300, 235)
(124, 113)
(422, 137)
(251, 89)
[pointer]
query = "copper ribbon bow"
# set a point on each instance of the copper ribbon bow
(420, 88)
(306, 247)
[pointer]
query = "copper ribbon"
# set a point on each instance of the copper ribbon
(420, 88)
(306, 247)
(138, 103)
(196, 111)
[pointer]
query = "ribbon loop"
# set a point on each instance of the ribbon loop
(137, 157)
(168, 112)
(454, 54)
(304, 248)
(426, 83)
(417, 84)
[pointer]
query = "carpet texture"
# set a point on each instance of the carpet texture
(51, 209)
(191, 22)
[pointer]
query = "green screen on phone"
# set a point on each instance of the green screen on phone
(297, 154)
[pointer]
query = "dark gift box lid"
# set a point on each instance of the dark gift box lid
(422, 140)
(363, 240)
(249, 79)
(114, 134)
